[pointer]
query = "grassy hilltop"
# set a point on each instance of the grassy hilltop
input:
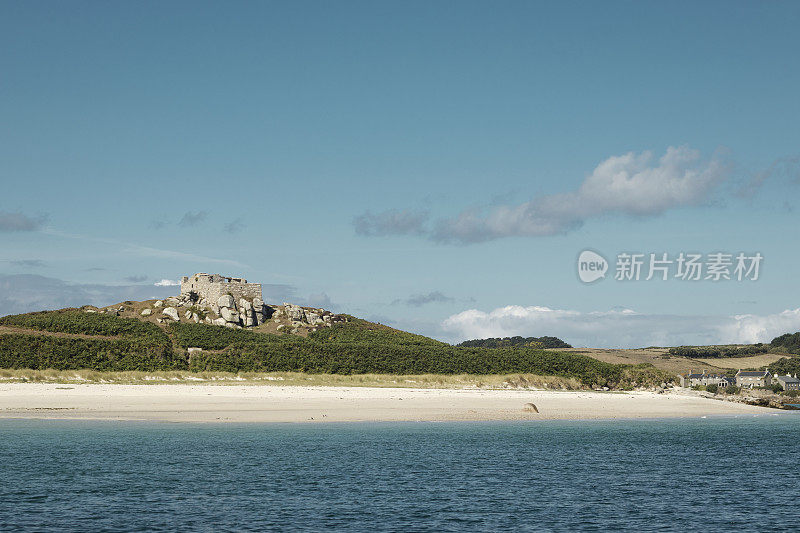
(71, 339)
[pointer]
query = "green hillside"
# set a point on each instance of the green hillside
(115, 343)
(72, 339)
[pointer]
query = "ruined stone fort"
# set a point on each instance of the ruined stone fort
(235, 303)
(210, 287)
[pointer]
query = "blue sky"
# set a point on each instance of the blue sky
(396, 160)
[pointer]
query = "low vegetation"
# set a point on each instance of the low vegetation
(78, 322)
(42, 351)
(517, 341)
(713, 352)
(358, 330)
(421, 381)
(714, 389)
(354, 348)
(129, 344)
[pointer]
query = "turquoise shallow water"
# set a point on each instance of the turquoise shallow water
(738, 474)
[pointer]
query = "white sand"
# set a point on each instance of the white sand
(231, 403)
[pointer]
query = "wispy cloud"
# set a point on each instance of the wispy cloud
(783, 167)
(619, 328)
(147, 251)
(17, 221)
(631, 184)
(234, 226)
(136, 279)
(418, 300)
(28, 263)
(192, 218)
(392, 222)
(158, 223)
(173, 254)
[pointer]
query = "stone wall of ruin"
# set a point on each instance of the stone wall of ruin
(212, 286)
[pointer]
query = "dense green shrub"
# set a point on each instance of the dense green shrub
(712, 388)
(731, 389)
(210, 337)
(43, 351)
(358, 358)
(79, 322)
(132, 344)
(356, 347)
(359, 347)
(789, 342)
(508, 342)
(707, 352)
(358, 330)
(786, 365)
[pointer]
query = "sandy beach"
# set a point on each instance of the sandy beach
(230, 403)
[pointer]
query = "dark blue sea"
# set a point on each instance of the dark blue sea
(734, 474)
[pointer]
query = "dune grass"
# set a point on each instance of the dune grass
(421, 381)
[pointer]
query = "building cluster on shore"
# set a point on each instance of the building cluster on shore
(746, 379)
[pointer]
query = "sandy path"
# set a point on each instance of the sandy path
(214, 403)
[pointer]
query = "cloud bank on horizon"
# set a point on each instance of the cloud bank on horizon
(619, 328)
(23, 293)
(630, 184)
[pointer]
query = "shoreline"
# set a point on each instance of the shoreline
(314, 404)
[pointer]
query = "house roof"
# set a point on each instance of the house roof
(787, 379)
(751, 374)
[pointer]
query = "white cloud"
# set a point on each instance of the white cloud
(630, 184)
(166, 283)
(755, 328)
(619, 328)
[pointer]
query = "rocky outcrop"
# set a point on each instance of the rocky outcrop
(241, 313)
(226, 300)
(531, 408)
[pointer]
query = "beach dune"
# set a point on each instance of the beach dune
(246, 403)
